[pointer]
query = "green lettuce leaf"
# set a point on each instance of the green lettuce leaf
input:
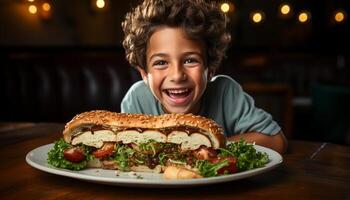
(56, 156)
(247, 156)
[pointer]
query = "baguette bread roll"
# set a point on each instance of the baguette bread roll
(200, 130)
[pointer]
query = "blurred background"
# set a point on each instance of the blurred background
(60, 58)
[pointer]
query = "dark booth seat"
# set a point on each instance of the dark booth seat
(54, 86)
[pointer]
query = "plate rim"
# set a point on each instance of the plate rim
(145, 182)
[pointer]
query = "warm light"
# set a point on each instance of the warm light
(46, 6)
(303, 17)
(257, 17)
(100, 3)
(32, 9)
(31, 0)
(285, 9)
(225, 7)
(339, 16)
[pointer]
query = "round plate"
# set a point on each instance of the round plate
(37, 158)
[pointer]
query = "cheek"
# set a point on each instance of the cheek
(154, 78)
(150, 79)
(205, 76)
(154, 81)
(201, 78)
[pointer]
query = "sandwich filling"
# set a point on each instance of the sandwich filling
(129, 148)
(155, 157)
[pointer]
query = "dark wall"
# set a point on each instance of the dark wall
(72, 23)
(54, 66)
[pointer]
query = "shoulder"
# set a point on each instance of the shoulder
(138, 99)
(224, 82)
(223, 89)
(224, 79)
(137, 91)
(138, 86)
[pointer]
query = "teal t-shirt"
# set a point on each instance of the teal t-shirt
(224, 101)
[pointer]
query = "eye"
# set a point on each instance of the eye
(190, 61)
(160, 64)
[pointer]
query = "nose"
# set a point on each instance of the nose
(177, 73)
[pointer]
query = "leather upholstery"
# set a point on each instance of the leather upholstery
(56, 86)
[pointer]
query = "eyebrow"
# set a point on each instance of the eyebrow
(194, 52)
(185, 54)
(158, 54)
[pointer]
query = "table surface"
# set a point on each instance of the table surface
(311, 170)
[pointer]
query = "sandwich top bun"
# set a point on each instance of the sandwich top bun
(170, 126)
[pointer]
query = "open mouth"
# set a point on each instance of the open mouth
(178, 95)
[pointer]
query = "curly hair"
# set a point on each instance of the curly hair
(200, 20)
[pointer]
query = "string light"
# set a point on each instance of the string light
(46, 7)
(303, 17)
(339, 16)
(225, 7)
(32, 9)
(99, 6)
(285, 9)
(257, 17)
(100, 3)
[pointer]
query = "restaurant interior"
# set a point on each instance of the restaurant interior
(60, 58)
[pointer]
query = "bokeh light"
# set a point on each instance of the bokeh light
(32, 9)
(257, 17)
(285, 9)
(304, 17)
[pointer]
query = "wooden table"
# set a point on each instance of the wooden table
(311, 170)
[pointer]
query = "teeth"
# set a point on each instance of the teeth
(177, 91)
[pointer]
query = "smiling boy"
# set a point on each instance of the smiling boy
(177, 45)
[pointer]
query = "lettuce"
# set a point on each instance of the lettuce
(208, 169)
(122, 156)
(56, 156)
(247, 156)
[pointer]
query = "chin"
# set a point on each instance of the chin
(178, 110)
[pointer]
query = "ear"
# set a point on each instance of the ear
(211, 73)
(143, 74)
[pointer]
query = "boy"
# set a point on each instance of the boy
(176, 45)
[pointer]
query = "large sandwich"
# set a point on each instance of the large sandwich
(178, 145)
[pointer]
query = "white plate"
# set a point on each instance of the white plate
(37, 158)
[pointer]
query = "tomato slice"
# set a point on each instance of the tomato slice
(74, 154)
(106, 150)
(231, 168)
